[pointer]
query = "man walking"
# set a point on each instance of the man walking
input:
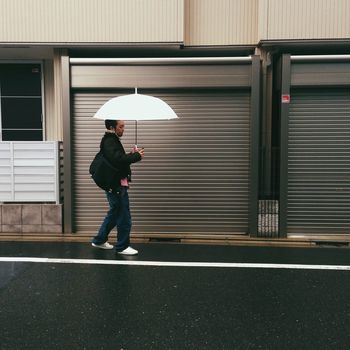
(118, 214)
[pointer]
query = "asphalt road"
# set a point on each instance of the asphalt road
(67, 305)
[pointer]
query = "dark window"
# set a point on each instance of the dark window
(21, 104)
(21, 113)
(22, 135)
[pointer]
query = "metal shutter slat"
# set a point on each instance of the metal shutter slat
(319, 162)
(195, 176)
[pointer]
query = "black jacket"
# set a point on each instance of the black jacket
(114, 153)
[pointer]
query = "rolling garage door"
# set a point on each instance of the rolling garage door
(195, 175)
(319, 161)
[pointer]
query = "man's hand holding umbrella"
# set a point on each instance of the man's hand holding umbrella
(141, 151)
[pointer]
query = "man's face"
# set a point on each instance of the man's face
(119, 130)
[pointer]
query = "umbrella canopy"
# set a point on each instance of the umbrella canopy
(135, 107)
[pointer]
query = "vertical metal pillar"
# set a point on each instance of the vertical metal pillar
(254, 146)
(67, 145)
(285, 93)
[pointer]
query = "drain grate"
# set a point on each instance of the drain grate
(268, 218)
(332, 243)
(165, 239)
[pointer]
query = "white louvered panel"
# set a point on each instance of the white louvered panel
(91, 21)
(29, 159)
(195, 175)
(307, 19)
(5, 172)
(319, 162)
(221, 22)
(28, 171)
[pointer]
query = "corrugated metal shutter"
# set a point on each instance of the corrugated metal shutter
(319, 161)
(195, 175)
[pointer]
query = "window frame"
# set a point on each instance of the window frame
(43, 116)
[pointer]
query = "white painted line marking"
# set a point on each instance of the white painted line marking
(175, 263)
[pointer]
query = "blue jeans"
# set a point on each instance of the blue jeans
(117, 216)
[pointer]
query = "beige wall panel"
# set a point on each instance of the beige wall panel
(221, 22)
(307, 19)
(263, 18)
(52, 95)
(91, 21)
(58, 96)
(49, 96)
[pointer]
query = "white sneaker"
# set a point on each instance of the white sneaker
(129, 251)
(105, 245)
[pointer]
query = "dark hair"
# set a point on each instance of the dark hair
(111, 124)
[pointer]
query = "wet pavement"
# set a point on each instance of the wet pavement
(78, 306)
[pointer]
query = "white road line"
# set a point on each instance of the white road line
(176, 263)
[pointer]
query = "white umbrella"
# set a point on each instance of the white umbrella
(135, 107)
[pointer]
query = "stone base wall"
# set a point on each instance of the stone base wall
(31, 218)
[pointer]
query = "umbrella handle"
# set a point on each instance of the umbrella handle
(136, 124)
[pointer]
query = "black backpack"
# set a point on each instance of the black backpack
(105, 175)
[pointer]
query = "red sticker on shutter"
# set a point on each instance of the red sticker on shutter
(285, 98)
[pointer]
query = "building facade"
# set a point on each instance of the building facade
(261, 88)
